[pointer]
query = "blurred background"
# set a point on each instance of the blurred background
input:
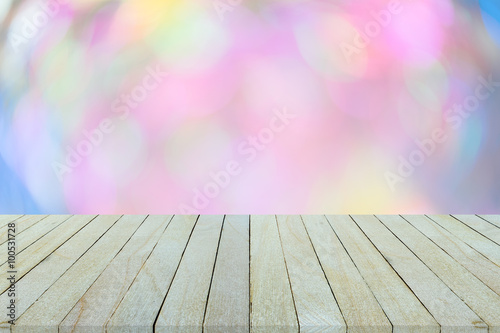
(138, 106)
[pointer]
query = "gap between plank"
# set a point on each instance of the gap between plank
(173, 277)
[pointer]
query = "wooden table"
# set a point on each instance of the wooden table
(253, 273)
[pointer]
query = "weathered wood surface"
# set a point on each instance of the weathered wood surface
(258, 273)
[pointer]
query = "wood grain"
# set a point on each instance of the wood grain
(272, 307)
(446, 307)
(360, 309)
(485, 228)
(401, 306)
(184, 307)
(468, 257)
(493, 219)
(481, 299)
(487, 247)
(257, 273)
(45, 245)
(41, 277)
(94, 309)
(51, 308)
(228, 307)
(314, 301)
(139, 308)
(33, 229)
(5, 219)
(22, 223)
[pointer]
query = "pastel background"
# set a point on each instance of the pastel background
(252, 106)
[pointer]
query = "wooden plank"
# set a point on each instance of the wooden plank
(51, 308)
(475, 262)
(493, 219)
(272, 308)
(374, 268)
(22, 223)
(34, 233)
(481, 299)
(38, 229)
(41, 277)
(314, 301)
(44, 246)
(184, 306)
(485, 228)
(449, 310)
(94, 309)
(228, 307)
(359, 306)
(401, 306)
(488, 248)
(6, 219)
(140, 306)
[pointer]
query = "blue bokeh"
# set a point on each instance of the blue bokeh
(490, 11)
